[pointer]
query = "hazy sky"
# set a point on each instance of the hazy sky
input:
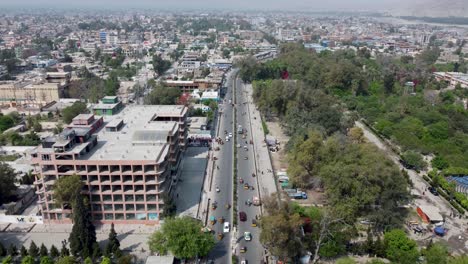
(232, 4)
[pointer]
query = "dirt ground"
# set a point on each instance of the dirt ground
(279, 158)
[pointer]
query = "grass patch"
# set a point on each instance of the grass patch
(265, 128)
(9, 157)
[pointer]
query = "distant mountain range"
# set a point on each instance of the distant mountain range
(431, 8)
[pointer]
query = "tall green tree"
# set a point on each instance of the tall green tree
(43, 251)
(27, 260)
(68, 113)
(66, 260)
(3, 251)
(67, 190)
(83, 234)
(54, 253)
(400, 248)
(113, 244)
(46, 260)
(33, 250)
(182, 237)
(436, 253)
(160, 65)
(7, 183)
(12, 250)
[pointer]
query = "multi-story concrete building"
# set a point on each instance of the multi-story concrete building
(126, 161)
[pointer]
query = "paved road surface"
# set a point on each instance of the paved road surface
(246, 166)
(222, 178)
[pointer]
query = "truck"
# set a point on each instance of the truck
(291, 190)
(298, 195)
(239, 129)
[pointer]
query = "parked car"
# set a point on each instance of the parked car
(434, 191)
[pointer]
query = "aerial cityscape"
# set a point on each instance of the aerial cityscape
(234, 132)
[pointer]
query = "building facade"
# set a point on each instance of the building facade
(126, 163)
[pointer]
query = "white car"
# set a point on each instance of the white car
(226, 227)
(247, 236)
(230, 135)
(227, 138)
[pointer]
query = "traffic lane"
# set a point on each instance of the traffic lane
(254, 248)
(220, 252)
(255, 252)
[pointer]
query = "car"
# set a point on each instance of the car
(247, 236)
(243, 216)
(243, 249)
(226, 227)
(244, 261)
(230, 135)
(434, 191)
(227, 138)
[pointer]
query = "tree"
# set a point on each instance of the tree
(12, 250)
(3, 251)
(27, 260)
(54, 253)
(43, 251)
(97, 253)
(6, 122)
(161, 95)
(66, 260)
(160, 65)
(67, 189)
(356, 135)
(113, 244)
(83, 234)
(400, 248)
(8, 260)
(88, 260)
(46, 260)
(106, 260)
(413, 160)
(7, 183)
(389, 83)
(304, 160)
(436, 254)
(23, 251)
(182, 237)
(33, 250)
(64, 251)
(280, 229)
(169, 206)
(68, 113)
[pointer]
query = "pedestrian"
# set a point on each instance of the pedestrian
(177, 195)
(424, 193)
(262, 172)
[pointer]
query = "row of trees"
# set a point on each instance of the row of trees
(422, 119)
(183, 237)
(91, 87)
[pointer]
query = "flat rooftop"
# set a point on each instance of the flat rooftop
(140, 138)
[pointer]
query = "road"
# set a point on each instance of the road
(245, 167)
(223, 179)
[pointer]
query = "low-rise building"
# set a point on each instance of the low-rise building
(109, 105)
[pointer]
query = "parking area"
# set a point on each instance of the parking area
(189, 187)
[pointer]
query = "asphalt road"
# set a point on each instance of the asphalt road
(245, 168)
(223, 179)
